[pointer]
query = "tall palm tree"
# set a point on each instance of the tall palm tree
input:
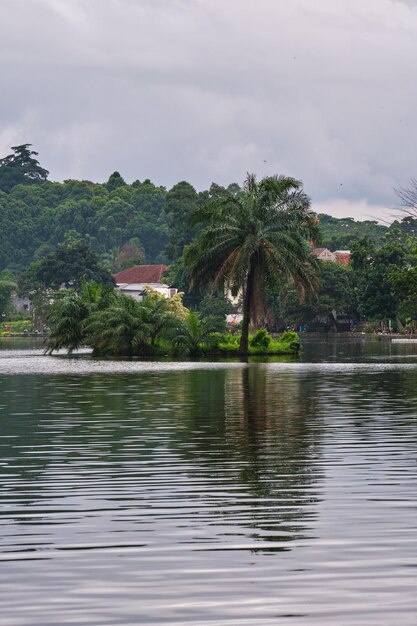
(255, 241)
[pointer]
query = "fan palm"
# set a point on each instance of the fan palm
(253, 242)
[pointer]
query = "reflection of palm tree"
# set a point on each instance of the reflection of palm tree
(272, 417)
(237, 441)
(251, 242)
(253, 434)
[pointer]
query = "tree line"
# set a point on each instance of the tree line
(56, 234)
(122, 223)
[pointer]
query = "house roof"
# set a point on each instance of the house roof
(318, 251)
(343, 257)
(142, 274)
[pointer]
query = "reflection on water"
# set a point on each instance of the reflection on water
(209, 493)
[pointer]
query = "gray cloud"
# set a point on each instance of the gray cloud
(208, 90)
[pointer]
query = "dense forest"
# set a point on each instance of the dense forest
(47, 227)
(123, 223)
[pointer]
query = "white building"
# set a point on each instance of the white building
(133, 281)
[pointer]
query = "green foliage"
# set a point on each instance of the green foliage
(69, 265)
(127, 224)
(373, 269)
(406, 227)
(115, 324)
(109, 322)
(67, 317)
(261, 339)
(131, 253)
(120, 329)
(181, 202)
(69, 312)
(290, 340)
(214, 308)
(20, 168)
(287, 343)
(6, 290)
(115, 181)
(341, 233)
(16, 327)
(252, 242)
(189, 334)
(336, 292)
(403, 283)
(35, 218)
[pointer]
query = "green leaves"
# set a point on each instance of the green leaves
(69, 265)
(110, 322)
(20, 168)
(255, 240)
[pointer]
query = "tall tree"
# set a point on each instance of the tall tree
(115, 181)
(69, 265)
(21, 167)
(254, 241)
(376, 276)
(181, 202)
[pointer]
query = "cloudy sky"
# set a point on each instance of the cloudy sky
(206, 90)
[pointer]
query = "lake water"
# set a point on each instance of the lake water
(210, 493)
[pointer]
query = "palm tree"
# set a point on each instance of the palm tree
(118, 328)
(129, 327)
(189, 333)
(253, 242)
(66, 317)
(68, 314)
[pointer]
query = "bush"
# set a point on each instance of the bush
(290, 339)
(261, 339)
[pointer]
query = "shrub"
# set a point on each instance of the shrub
(290, 339)
(261, 339)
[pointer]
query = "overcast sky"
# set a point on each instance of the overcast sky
(206, 90)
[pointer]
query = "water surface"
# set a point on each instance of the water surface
(210, 493)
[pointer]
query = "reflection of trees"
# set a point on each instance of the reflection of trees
(373, 401)
(243, 439)
(21, 433)
(272, 424)
(234, 450)
(256, 437)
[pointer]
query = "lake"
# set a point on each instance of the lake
(217, 494)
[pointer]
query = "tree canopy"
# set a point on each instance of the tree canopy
(21, 168)
(253, 242)
(68, 266)
(125, 224)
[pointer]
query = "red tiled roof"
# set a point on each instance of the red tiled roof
(318, 251)
(343, 257)
(141, 274)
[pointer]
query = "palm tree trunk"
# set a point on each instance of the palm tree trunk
(247, 298)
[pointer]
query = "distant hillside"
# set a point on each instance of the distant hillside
(125, 224)
(339, 233)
